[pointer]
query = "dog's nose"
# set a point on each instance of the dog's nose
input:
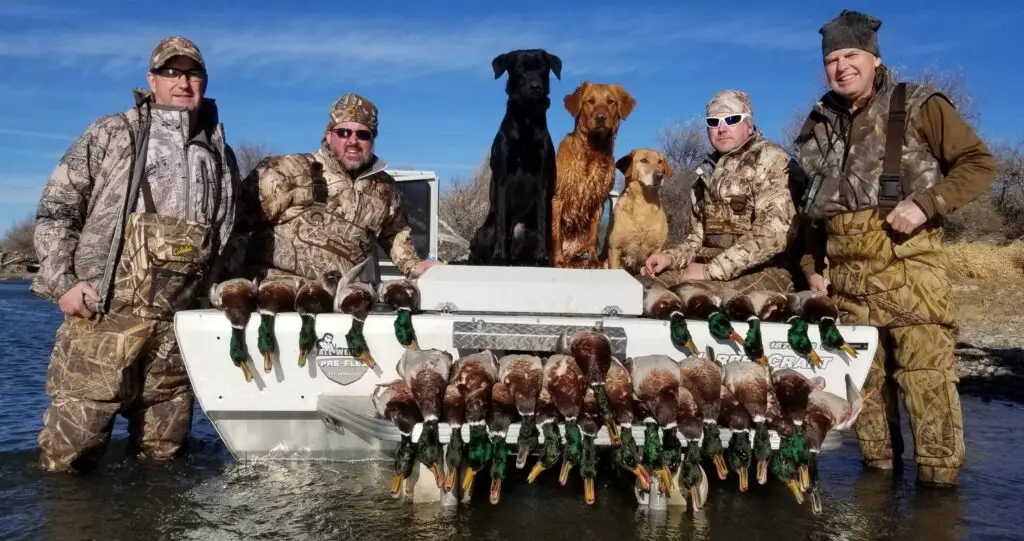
(600, 118)
(658, 177)
(535, 86)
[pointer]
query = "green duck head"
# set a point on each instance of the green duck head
(550, 453)
(721, 328)
(357, 345)
(307, 337)
(671, 455)
(430, 450)
(478, 453)
(266, 341)
(762, 451)
(405, 459)
(627, 456)
(588, 468)
(239, 352)
(404, 331)
(738, 455)
(692, 476)
(453, 458)
(679, 333)
(652, 445)
(800, 341)
(784, 469)
(753, 345)
(711, 448)
(527, 440)
(831, 338)
(573, 450)
(499, 465)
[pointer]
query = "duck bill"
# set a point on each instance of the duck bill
(613, 433)
(563, 476)
(762, 471)
(744, 475)
(268, 362)
(588, 490)
(495, 491)
(849, 350)
(246, 371)
(367, 359)
(736, 337)
(815, 496)
(814, 358)
(438, 476)
(805, 477)
(522, 455)
(303, 353)
(396, 485)
(535, 472)
(762, 360)
(723, 470)
(666, 480)
(467, 481)
(798, 493)
(414, 345)
(449, 479)
(642, 476)
(695, 499)
(690, 345)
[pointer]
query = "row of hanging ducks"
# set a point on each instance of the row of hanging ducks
(239, 298)
(569, 395)
(720, 306)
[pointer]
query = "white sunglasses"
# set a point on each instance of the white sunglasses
(730, 120)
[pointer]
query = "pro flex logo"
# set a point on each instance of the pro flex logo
(336, 362)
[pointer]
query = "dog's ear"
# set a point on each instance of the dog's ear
(574, 101)
(555, 64)
(669, 172)
(626, 101)
(624, 162)
(500, 64)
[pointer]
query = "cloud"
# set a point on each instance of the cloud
(41, 135)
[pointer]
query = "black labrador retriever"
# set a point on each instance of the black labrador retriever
(517, 230)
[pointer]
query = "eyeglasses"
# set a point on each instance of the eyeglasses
(175, 73)
(730, 120)
(345, 133)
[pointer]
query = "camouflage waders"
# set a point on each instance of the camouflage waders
(128, 361)
(903, 289)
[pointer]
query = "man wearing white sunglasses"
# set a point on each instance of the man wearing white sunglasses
(743, 217)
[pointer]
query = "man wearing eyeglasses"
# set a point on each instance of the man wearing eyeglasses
(742, 214)
(317, 212)
(131, 227)
(886, 160)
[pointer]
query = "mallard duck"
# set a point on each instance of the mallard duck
(503, 414)
(793, 389)
(702, 376)
(274, 295)
(427, 372)
(314, 297)
(238, 299)
(394, 401)
(827, 411)
(704, 302)
(523, 376)
(592, 351)
(454, 414)
(748, 382)
(547, 420)
(356, 299)
(797, 336)
(656, 380)
(662, 303)
(689, 421)
(474, 375)
(566, 384)
(620, 394)
(404, 297)
(737, 418)
(590, 423)
(740, 307)
(818, 309)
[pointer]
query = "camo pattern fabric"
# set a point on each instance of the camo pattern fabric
(747, 216)
(120, 364)
(903, 288)
(766, 279)
(80, 220)
(162, 266)
(845, 155)
(291, 234)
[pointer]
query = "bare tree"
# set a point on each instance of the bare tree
(18, 238)
(250, 154)
(685, 145)
(461, 210)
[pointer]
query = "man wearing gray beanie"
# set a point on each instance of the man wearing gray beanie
(885, 162)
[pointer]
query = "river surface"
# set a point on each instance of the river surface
(208, 496)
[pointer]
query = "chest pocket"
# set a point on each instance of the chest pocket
(738, 204)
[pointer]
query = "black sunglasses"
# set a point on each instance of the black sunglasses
(345, 133)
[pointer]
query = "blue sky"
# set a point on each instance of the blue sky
(276, 67)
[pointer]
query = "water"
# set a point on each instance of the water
(208, 496)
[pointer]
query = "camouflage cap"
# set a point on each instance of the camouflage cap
(175, 46)
(354, 108)
(730, 102)
(850, 30)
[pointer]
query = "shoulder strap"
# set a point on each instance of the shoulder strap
(890, 189)
(318, 184)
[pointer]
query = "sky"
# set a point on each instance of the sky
(275, 68)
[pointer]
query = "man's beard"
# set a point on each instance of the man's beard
(354, 166)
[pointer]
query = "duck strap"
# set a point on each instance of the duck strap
(890, 183)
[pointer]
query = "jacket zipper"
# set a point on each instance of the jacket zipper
(185, 167)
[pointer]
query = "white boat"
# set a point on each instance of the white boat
(323, 410)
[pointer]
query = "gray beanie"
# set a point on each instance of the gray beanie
(850, 30)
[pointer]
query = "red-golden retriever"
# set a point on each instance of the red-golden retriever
(586, 171)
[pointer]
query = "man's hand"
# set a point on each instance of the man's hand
(818, 284)
(694, 271)
(906, 217)
(72, 303)
(655, 264)
(422, 267)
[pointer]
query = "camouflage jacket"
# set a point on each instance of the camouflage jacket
(742, 214)
(289, 232)
(81, 213)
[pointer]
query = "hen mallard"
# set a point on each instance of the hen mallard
(404, 297)
(474, 375)
(523, 376)
(656, 380)
(704, 302)
(313, 298)
(356, 299)
(827, 411)
(274, 295)
(692, 479)
(818, 309)
(238, 299)
(702, 376)
(394, 401)
(748, 382)
(427, 372)
(503, 413)
(566, 384)
(590, 423)
(592, 351)
(620, 394)
(661, 303)
(737, 418)
(454, 414)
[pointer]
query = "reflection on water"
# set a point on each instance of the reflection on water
(207, 496)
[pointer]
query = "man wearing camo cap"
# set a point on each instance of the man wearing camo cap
(132, 226)
(742, 217)
(311, 213)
